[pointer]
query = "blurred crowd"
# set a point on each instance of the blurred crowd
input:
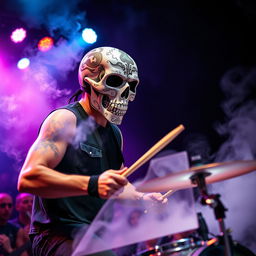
(14, 224)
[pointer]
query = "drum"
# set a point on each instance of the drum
(188, 247)
(179, 247)
(217, 249)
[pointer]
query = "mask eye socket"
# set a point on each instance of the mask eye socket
(114, 81)
(133, 85)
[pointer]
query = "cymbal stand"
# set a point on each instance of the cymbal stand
(214, 202)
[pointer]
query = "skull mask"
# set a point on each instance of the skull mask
(113, 77)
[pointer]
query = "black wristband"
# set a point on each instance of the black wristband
(93, 186)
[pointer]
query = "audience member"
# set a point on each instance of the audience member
(24, 207)
(11, 236)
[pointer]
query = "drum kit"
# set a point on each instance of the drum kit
(194, 243)
(200, 176)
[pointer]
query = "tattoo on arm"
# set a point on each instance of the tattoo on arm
(44, 145)
(55, 131)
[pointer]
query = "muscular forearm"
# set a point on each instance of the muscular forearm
(48, 183)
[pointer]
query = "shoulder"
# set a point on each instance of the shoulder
(62, 114)
(118, 135)
(14, 222)
(117, 131)
(116, 128)
(59, 122)
(12, 227)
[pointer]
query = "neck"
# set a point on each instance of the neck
(24, 219)
(98, 117)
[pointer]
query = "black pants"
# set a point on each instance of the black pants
(49, 243)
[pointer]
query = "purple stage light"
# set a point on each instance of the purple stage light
(23, 63)
(18, 35)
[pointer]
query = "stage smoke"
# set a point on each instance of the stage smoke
(27, 96)
(237, 194)
(83, 130)
(59, 18)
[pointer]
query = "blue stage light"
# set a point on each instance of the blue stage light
(89, 35)
(23, 63)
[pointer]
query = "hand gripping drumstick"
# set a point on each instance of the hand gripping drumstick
(168, 193)
(154, 150)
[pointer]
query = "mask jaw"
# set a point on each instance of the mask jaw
(107, 107)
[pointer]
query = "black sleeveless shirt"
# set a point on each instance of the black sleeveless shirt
(95, 150)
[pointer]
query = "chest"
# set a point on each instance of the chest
(97, 152)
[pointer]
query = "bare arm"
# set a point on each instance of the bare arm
(20, 241)
(38, 175)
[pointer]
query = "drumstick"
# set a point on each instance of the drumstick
(154, 150)
(169, 192)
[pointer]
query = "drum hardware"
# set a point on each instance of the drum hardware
(214, 202)
(216, 249)
(199, 176)
(203, 228)
(170, 248)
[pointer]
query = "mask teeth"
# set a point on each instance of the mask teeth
(118, 109)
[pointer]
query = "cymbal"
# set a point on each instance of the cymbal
(214, 172)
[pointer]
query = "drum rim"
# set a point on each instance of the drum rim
(181, 245)
(177, 246)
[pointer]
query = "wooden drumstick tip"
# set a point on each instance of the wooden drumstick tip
(155, 149)
(181, 127)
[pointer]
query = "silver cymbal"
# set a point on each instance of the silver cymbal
(214, 172)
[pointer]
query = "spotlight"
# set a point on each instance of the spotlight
(45, 44)
(23, 63)
(18, 35)
(89, 35)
